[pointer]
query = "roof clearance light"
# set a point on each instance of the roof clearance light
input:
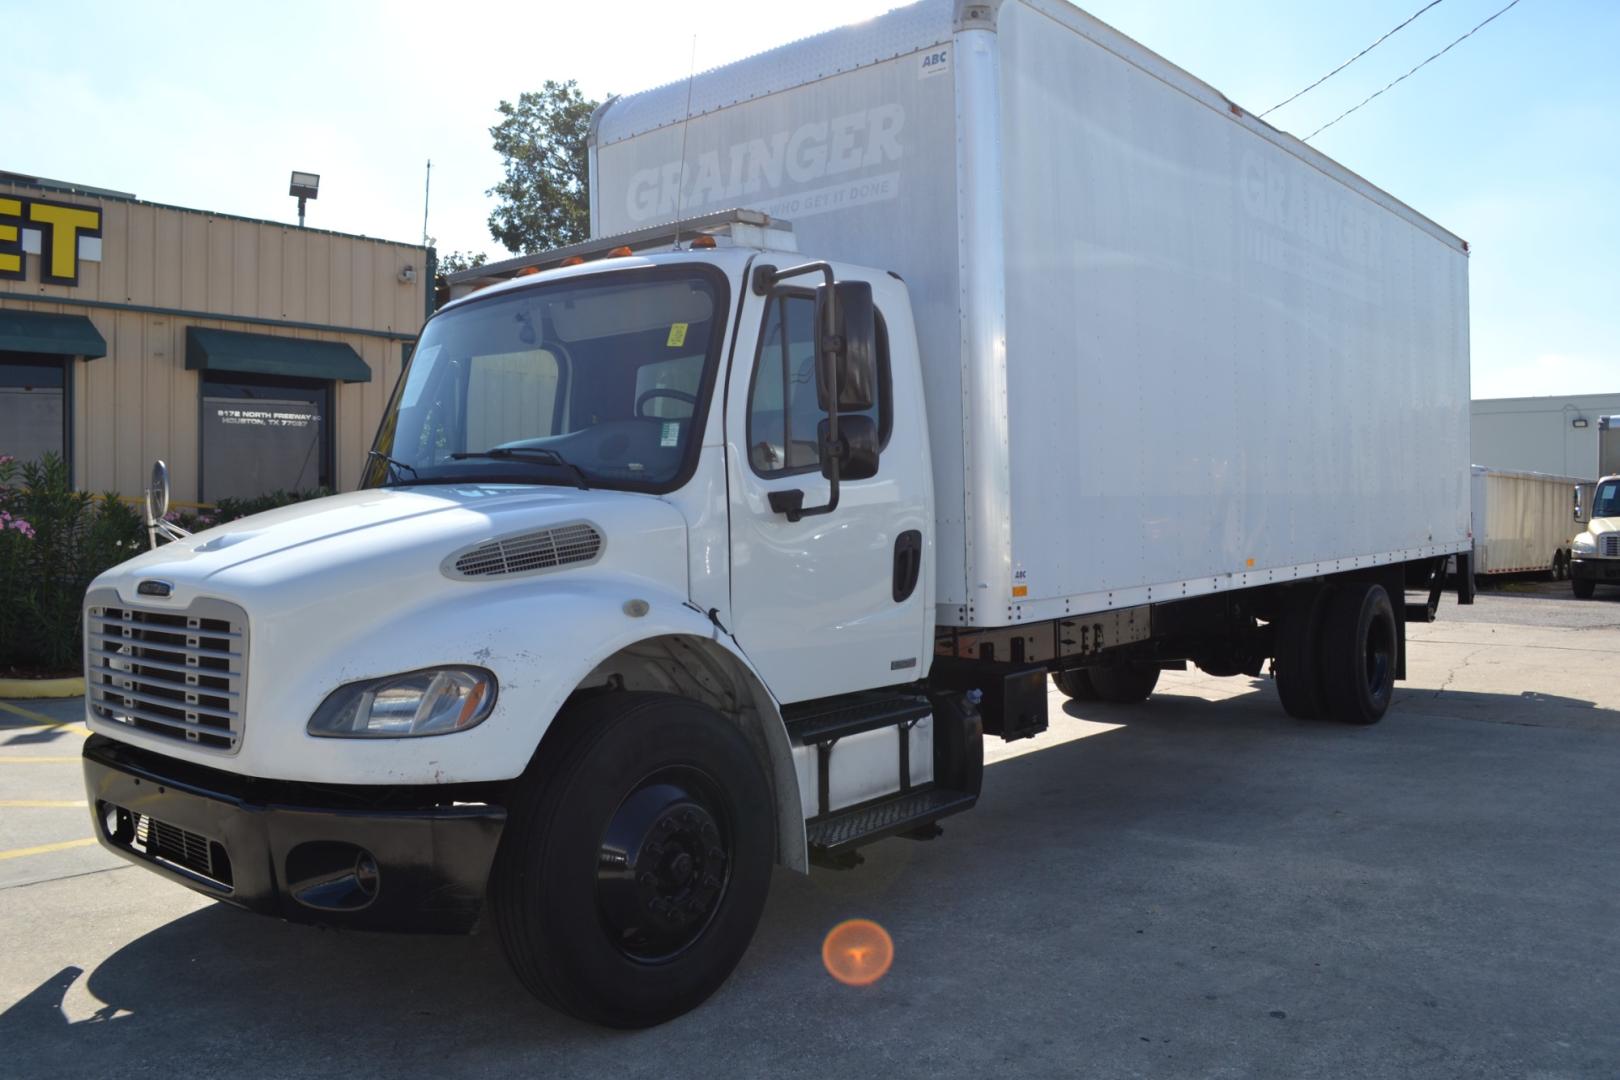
(619, 252)
(703, 242)
(572, 260)
(526, 271)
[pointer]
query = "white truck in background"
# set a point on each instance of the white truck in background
(1596, 551)
(1522, 521)
(705, 547)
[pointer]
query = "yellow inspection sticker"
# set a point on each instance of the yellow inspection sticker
(677, 335)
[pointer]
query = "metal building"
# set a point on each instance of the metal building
(1568, 436)
(250, 355)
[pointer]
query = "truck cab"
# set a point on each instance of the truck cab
(1595, 553)
(682, 488)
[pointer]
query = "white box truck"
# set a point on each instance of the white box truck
(704, 547)
(1595, 554)
(1525, 522)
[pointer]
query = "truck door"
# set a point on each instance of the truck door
(839, 601)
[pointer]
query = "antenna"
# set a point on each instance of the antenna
(680, 185)
(427, 189)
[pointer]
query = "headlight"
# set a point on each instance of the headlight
(434, 701)
(1585, 544)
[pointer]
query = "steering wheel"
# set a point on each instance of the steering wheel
(678, 395)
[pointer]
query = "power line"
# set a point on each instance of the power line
(1352, 60)
(1436, 56)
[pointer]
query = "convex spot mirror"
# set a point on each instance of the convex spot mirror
(157, 492)
(856, 451)
(852, 362)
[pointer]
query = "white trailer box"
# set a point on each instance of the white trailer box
(1524, 521)
(1181, 351)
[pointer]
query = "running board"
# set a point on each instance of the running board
(834, 837)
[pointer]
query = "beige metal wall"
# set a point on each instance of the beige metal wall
(139, 402)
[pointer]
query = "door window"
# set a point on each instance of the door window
(783, 413)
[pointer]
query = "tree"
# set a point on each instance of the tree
(455, 261)
(544, 202)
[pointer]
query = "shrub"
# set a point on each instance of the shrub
(53, 541)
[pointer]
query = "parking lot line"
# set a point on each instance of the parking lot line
(45, 849)
(56, 760)
(30, 714)
(41, 804)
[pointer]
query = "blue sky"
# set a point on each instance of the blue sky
(1511, 140)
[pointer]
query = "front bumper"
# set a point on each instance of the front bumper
(368, 858)
(1590, 569)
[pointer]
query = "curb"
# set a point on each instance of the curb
(24, 689)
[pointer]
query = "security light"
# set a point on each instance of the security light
(1579, 421)
(304, 186)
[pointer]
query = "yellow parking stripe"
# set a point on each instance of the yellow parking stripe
(68, 727)
(39, 760)
(45, 849)
(30, 714)
(42, 804)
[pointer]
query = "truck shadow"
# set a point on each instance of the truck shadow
(1190, 806)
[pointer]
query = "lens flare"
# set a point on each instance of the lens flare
(857, 952)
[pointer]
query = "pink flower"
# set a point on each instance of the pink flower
(21, 526)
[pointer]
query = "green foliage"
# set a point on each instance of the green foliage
(456, 261)
(55, 540)
(544, 201)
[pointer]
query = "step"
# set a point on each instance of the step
(816, 722)
(848, 829)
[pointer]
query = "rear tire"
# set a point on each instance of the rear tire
(1558, 566)
(1584, 587)
(1359, 647)
(1297, 666)
(636, 858)
(1075, 684)
(1126, 683)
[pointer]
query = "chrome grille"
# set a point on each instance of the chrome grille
(527, 553)
(180, 674)
(1611, 544)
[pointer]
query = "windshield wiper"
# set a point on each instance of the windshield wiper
(538, 453)
(395, 462)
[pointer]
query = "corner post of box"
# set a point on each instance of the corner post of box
(982, 270)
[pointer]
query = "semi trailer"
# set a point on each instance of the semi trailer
(1523, 521)
(911, 365)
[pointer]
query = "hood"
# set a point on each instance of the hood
(1603, 525)
(384, 528)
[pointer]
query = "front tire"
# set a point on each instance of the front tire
(1359, 643)
(636, 859)
(1584, 587)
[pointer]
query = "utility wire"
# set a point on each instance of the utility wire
(1436, 56)
(1352, 60)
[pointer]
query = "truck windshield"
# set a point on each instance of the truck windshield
(600, 381)
(1606, 502)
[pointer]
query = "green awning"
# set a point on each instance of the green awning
(42, 332)
(261, 354)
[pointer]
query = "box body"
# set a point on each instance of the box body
(1166, 349)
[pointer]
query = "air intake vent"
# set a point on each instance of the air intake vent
(529, 553)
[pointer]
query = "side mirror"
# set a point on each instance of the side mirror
(852, 351)
(1578, 515)
(157, 493)
(856, 450)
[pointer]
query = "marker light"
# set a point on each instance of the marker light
(619, 252)
(857, 952)
(526, 271)
(704, 241)
(572, 260)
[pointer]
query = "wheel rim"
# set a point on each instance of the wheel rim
(663, 865)
(1380, 657)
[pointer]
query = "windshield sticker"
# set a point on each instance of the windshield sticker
(671, 432)
(677, 335)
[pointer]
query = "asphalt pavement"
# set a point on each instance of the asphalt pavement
(1198, 886)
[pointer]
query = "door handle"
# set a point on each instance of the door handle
(907, 564)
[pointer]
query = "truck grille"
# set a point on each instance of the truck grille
(163, 842)
(1611, 545)
(179, 674)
